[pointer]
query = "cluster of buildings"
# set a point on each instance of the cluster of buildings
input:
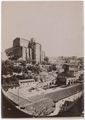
(27, 50)
(75, 63)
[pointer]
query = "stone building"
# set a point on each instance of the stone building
(28, 50)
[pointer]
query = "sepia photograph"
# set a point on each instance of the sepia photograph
(42, 59)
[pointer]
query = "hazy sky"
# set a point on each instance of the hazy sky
(58, 26)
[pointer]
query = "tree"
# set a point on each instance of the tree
(46, 59)
(54, 67)
(7, 67)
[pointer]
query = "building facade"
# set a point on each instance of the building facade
(28, 50)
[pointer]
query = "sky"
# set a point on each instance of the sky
(57, 26)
